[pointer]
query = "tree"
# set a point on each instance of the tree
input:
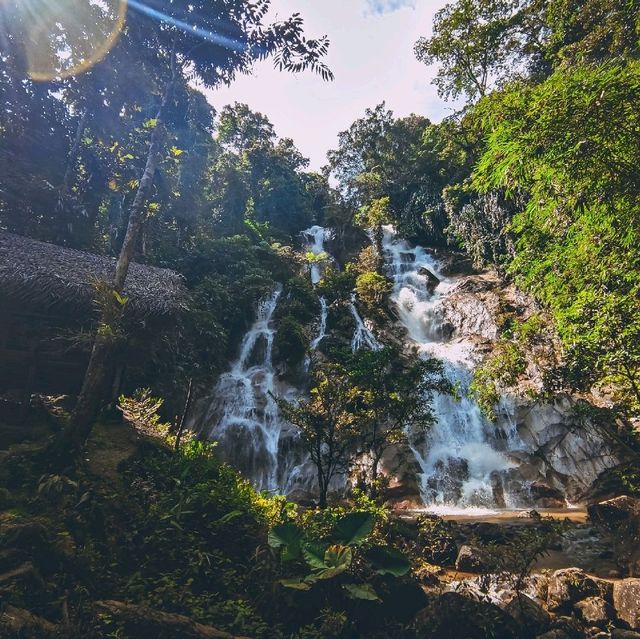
(328, 424)
(390, 397)
(187, 38)
(571, 144)
(476, 43)
(389, 169)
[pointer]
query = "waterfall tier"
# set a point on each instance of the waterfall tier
(461, 460)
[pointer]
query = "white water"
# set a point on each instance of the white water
(315, 236)
(362, 336)
(244, 413)
(322, 328)
(461, 462)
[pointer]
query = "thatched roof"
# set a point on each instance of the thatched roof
(49, 276)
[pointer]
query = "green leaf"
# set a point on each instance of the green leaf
(337, 559)
(296, 583)
(361, 591)
(388, 561)
(354, 527)
(289, 536)
(313, 553)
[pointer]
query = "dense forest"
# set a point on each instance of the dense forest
(147, 237)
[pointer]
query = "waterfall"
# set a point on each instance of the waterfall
(244, 413)
(460, 459)
(362, 336)
(322, 328)
(315, 237)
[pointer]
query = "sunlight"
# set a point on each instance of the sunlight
(63, 38)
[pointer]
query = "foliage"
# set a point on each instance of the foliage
(475, 42)
(390, 171)
(390, 394)
(141, 411)
(338, 555)
(572, 144)
(327, 424)
(372, 288)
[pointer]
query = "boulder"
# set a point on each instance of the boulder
(621, 633)
(570, 585)
(569, 625)
(620, 517)
(554, 634)
(453, 615)
(626, 601)
(531, 616)
(594, 611)
(432, 279)
(615, 512)
(472, 559)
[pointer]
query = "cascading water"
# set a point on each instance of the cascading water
(362, 336)
(322, 326)
(461, 460)
(316, 236)
(244, 413)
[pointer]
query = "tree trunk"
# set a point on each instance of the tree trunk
(185, 410)
(373, 488)
(323, 489)
(142, 621)
(72, 158)
(79, 426)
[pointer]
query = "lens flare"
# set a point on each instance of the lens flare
(67, 37)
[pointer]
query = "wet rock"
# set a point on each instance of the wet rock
(570, 585)
(621, 633)
(546, 496)
(432, 279)
(472, 559)
(531, 616)
(594, 611)
(454, 615)
(626, 601)
(451, 263)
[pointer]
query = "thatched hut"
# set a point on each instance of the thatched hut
(47, 305)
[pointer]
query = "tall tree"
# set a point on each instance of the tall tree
(210, 42)
(476, 43)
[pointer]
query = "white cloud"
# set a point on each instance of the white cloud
(378, 7)
(372, 58)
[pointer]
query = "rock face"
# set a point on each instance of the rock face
(626, 601)
(556, 457)
(571, 585)
(559, 456)
(594, 611)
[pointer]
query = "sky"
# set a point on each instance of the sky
(371, 56)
